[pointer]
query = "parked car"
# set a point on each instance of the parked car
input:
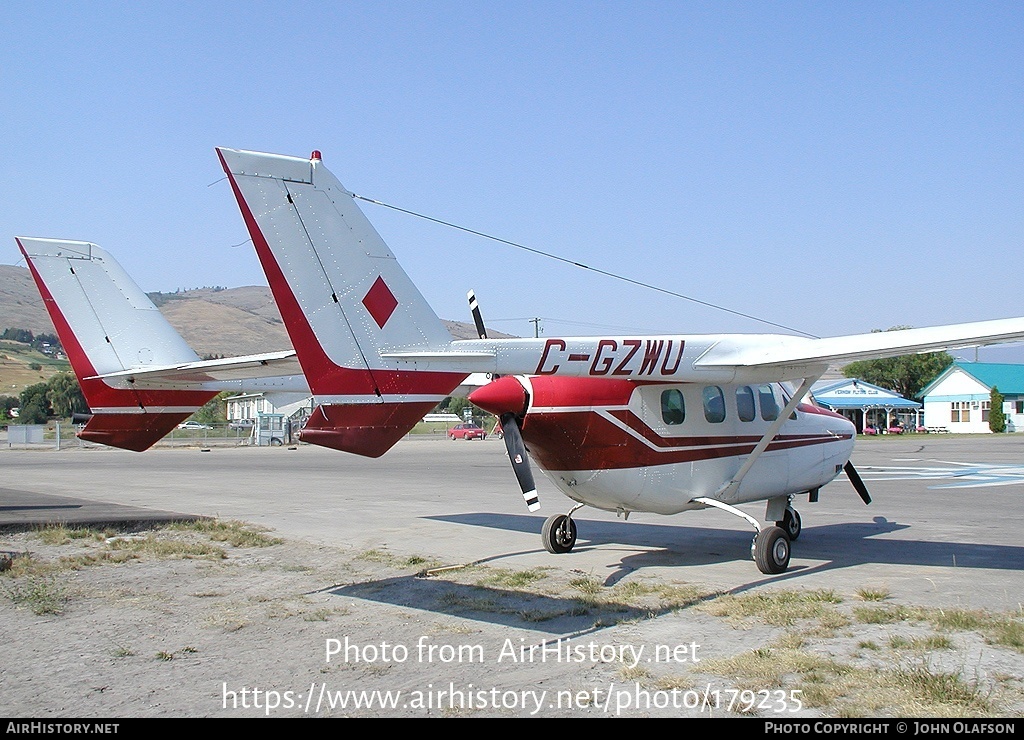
(193, 425)
(241, 424)
(467, 431)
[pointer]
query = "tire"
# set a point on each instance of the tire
(771, 550)
(558, 534)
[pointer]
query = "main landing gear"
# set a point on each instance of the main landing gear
(559, 532)
(770, 548)
(790, 523)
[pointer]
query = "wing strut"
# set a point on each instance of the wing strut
(730, 488)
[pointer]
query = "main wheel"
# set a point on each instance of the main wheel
(771, 550)
(791, 523)
(558, 533)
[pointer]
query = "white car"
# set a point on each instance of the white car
(193, 425)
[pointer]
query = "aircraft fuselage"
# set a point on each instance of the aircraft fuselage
(625, 446)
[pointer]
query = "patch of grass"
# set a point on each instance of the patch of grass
(998, 629)
(508, 578)
(767, 667)
(59, 534)
(873, 594)
(843, 690)
(386, 558)
(473, 603)
(938, 693)
(42, 593)
(588, 586)
(639, 594)
(164, 655)
(122, 651)
(156, 547)
(100, 557)
(319, 615)
(885, 614)
(923, 644)
(1006, 632)
(235, 533)
(779, 608)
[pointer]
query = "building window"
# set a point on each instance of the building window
(1019, 407)
(985, 406)
(961, 412)
(673, 410)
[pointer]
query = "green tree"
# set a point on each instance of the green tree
(996, 417)
(456, 405)
(906, 374)
(35, 407)
(213, 411)
(65, 395)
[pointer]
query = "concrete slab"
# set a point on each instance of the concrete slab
(944, 527)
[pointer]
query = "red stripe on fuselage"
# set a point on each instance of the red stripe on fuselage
(590, 440)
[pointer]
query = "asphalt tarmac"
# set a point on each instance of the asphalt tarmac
(943, 529)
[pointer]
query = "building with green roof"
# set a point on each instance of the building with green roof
(959, 399)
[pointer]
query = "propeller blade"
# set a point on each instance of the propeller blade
(478, 318)
(520, 462)
(857, 481)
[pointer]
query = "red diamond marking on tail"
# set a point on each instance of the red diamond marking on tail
(380, 302)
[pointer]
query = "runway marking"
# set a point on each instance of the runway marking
(966, 475)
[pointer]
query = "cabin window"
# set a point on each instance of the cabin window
(714, 404)
(769, 406)
(745, 403)
(673, 410)
(961, 412)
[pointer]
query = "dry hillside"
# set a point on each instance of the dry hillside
(227, 322)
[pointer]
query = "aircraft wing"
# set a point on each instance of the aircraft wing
(747, 358)
(799, 351)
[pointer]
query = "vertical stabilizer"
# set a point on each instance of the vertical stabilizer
(344, 299)
(107, 324)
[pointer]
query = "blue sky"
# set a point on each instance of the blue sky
(834, 167)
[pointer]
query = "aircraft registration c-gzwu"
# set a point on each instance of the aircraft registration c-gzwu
(660, 424)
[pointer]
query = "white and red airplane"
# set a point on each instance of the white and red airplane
(660, 424)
